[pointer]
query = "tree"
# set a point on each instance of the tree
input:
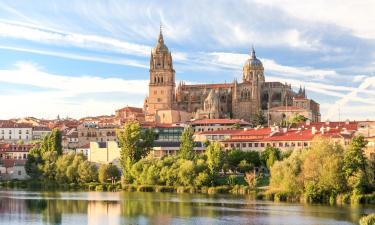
(87, 172)
(286, 175)
(215, 157)
(34, 158)
(54, 141)
(296, 119)
(269, 156)
(134, 144)
(107, 172)
(259, 119)
(355, 165)
(187, 144)
(322, 170)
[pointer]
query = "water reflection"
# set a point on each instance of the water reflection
(20, 207)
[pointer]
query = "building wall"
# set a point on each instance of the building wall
(12, 135)
(108, 153)
(87, 134)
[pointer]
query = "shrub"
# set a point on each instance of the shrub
(107, 171)
(367, 220)
(99, 187)
(146, 188)
(164, 189)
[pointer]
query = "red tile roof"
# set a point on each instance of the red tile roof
(287, 108)
(220, 121)
(218, 132)
(131, 109)
(225, 85)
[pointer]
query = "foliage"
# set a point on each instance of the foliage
(269, 156)
(251, 179)
(259, 119)
(215, 156)
(324, 171)
(187, 144)
(296, 119)
(367, 220)
(241, 161)
(107, 172)
(285, 175)
(355, 165)
(135, 144)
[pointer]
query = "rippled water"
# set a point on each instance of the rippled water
(24, 207)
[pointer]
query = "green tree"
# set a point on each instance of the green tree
(87, 172)
(322, 170)
(269, 156)
(107, 172)
(296, 119)
(134, 144)
(286, 175)
(215, 157)
(355, 165)
(34, 159)
(187, 144)
(259, 119)
(54, 141)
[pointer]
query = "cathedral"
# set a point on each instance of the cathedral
(167, 103)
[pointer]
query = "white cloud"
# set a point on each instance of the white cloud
(357, 16)
(49, 36)
(59, 93)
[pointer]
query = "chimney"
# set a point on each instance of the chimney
(308, 122)
(322, 130)
(313, 130)
(328, 129)
(327, 122)
(347, 122)
(285, 129)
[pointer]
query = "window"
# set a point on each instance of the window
(250, 145)
(10, 132)
(256, 145)
(20, 132)
(19, 172)
(155, 92)
(243, 145)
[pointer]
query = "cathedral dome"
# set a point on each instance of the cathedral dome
(253, 61)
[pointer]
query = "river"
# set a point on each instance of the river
(138, 208)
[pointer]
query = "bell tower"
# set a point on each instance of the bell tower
(161, 93)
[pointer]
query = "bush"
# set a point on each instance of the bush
(164, 189)
(107, 171)
(146, 188)
(185, 190)
(219, 190)
(100, 187)
(367, 220)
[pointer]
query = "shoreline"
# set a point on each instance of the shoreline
(235, 190)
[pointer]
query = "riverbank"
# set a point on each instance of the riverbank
(261, 193)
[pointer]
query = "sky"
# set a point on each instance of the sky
(81, 58)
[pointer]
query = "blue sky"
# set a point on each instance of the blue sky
(88, 57)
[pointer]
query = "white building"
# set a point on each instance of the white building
(14, 132)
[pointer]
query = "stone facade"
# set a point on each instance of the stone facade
(240, 100)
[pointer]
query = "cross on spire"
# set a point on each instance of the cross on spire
(253, 56)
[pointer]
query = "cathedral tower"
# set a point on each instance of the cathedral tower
(162, 79)
(253, 69)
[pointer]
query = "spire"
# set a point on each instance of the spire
(161, 39)
(253, 56)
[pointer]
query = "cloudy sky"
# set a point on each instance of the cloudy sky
(89, 57)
